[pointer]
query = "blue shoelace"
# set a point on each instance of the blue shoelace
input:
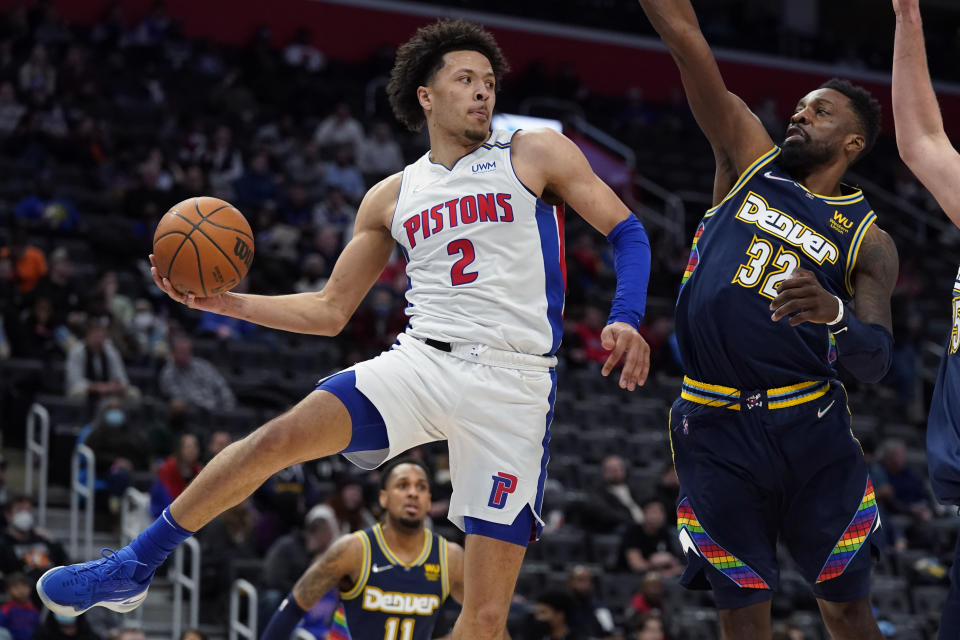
(105, 559)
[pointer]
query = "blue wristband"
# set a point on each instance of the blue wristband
(631, 261)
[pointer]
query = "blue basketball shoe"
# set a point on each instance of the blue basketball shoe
(107, 582)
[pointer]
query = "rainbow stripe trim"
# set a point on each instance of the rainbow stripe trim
(716, 395)
(338, 626)
(694, 256)
(716, 555)
(853, 537)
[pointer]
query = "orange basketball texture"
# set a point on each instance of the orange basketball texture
(203, 246)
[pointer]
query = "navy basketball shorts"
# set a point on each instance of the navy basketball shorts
(494, 409)
(751, 475)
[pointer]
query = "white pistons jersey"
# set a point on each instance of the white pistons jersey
(485, 255)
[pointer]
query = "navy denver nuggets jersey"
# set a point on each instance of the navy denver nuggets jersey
(392, 600)
(767, 226)
(943, 423)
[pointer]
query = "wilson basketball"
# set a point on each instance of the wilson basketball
(203, 246)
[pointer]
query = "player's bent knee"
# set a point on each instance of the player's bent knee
(275, 440)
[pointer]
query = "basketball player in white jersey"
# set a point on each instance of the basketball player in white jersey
(480, 219)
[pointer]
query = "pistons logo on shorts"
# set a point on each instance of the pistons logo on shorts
(503, 485)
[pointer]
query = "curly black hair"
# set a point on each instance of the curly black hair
(866, 108)
(421, 57)
(387, 471)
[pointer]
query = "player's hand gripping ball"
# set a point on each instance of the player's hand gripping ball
(204, 246)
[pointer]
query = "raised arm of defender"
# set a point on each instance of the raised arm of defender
(922, 141)
(325, 312)
(735, 133)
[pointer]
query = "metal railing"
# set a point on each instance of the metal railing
(134, 505)
(84, 490)
(237, 628)
(191, 583)
(38, 449)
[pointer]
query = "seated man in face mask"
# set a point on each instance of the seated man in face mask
(120, 447)
(24, 548)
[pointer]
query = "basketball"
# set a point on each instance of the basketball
(203, 245)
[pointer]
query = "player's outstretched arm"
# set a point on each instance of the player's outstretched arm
(550, 164)
(863, 334)
(343, 559)
(736, 134)
(325, 312)
(922, 141)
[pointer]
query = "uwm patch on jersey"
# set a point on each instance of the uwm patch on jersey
(484, 253)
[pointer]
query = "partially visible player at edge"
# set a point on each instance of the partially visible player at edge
(393, 576)
(789, 277)
(925, 148)
(480, 219)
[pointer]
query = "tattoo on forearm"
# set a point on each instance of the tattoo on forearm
(319, 578)
(877, 271)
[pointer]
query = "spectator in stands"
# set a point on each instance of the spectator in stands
(225, 542)
(588, 617)
(64, 291)
(193, 634)
(281, 501)
(225, 162)
(667, 490)
(37, 74)
(290, 555)
(306, 167)
(258, 183)
(144, 202)
(107, 302)
(340, 129)
(615, 506)
(296, 209)
(335, 212)
(550, 616)
(29, 262)
(45, 209)
(648, 626)
(11, 111)
(175, 474)
(650, 544)
(148, 331)
(301, 54)
(18, 615)
(377, 322)
(894, 537)
(59, 627)
(587, 347)
(348, 506)
(313, 274)
(219, 440)
(909, 494)
(380, 155)
(649, 597)
(194, 379)
(94, 368)
(120, 446)
(344, 174)
(23, 547)
(35, 334)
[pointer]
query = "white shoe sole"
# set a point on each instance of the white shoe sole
(123, 606)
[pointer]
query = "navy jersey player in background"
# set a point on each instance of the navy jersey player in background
(393, 577)
(479, 218)
(788, 278)
(925, 148)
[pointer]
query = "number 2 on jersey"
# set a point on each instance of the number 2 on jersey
(394, 624)
(759, 253)
(458, 273)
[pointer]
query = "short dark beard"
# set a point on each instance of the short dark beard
(800, 160)
(406, 525)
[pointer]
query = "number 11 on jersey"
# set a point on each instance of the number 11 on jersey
(394, 624)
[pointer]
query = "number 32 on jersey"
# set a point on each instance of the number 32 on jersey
(766, 268)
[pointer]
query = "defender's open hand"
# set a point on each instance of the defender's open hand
(803, 295)
(623, 341)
